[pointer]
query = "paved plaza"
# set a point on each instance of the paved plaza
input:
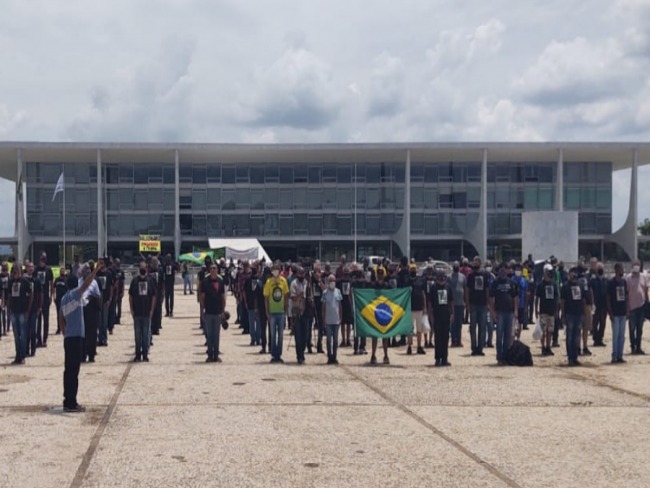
(177, 421)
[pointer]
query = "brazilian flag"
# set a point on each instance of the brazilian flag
(382, 313)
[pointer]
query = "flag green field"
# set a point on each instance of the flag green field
(382, 313)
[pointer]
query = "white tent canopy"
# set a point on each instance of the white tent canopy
(235, 248)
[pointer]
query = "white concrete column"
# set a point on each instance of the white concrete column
(559, 189)
(101, 244)
(634, 205)
(21, 247)
(407, 203)
(483, 215)
(177, 199)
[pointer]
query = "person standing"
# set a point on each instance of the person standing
(20, 306)
(170, 279)
(503, 307)
(276, 294)
(118, 293)
(35, 311)
(265, 332)
(344, 284)
(251, 296)
(4, 296)
(637, 288)
(380, 284)
(477, 297)
(587, 319)
(45, 278)
(573, 309)
(298, 291)
(547, 299)
(317, 290)
(441, 301)
(599, 288)
(60, 287)
(72, 326)
(331, 312)
(458, 282)
(418, 308)
(213, 304)
(106, 289)
(187, 279)
(617, 308)
(92, 302)
(522, 288)
(156, 273)
(142, 303)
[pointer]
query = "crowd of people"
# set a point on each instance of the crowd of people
(497, 301)
(315, 303)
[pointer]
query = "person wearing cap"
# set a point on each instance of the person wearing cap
(547, 299)
(276, 293)
(573, 308)
(418, 308)
(72, 327)
(458, 282)
(637, 287)
(441, 303)
(504, 307)
(476, 295)
(331, 313)
(380, 284)
(617, 308)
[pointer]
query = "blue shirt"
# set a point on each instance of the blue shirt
(522, 285)
(331, 301)
(73, 311)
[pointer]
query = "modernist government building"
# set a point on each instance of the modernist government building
(422, 199)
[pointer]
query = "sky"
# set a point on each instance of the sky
(326, 71)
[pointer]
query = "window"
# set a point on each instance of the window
(344, 174)
(314, 175)
(228, 175)
(460, 199)
(257, 199)
(141, 201)
(604, 172)
(372, 198)
(417, 222)
(315, 225)
(300, 198)
(572, 172)
(344, 225)
(214, 199)
(286, 225)
(604, 198)
(329, 173)
(545, 198)
(286, 199)
(587, 197)
(126, 173)
(300, 224)
(430, 198)
(155, 174)
(344, 199)
(126, 199)
(271, 173)
(169, 199)
(431, 173)
(445, 200)
(604, 223)
(372, 225)
(199, 175)
(257, 225)
(169, 174)
(572, 198)
(417, 197)
(185, 199)
(241, 173)
(329, 198)
(530, 198)
(214, 225)
(315, 199)
(271, 197)
(417, 172)
(361, 198)
(300, 174)
(257, 174)
(546, 173)
(286, 176)
(242, 198)
(141, 174)
(388, 197)
(373, 173)
(199, 200)
(271, 224)
(227, 199)
(459, 172)
(186, 225)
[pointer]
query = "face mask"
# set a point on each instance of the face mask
(636, 269)
(488, 269)
(601, 272)
(301, 278)
(517, 274)
(275, 273)
(143, 272)
(331, 285)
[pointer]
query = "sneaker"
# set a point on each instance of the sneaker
(76, 409)
(373, 360)
(640, 352)
(137, 359)
(421, 350)
(363, 351)
(301, 362)
(145, 358)
(348, 344)
(550, 352)
(336, 361)
(356, 352)
(409, 351)
(445, 363)
(621, 360)
(438, 363)
(556, 344)
(217, 359)
(262, 351)
(386, 360)
(586, 352)
(208, 360)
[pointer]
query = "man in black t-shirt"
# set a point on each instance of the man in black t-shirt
(617, 295)
(118, 291)
(251, 297)
(4, 297)
(380, 284)
(504, 303)
(45, 277)
(343, 283)
(213, 304)
(573, 309)
(104, 279)
(170, 271)
(20, 305)
(37, 305)
(476, 299)
(142, 302)
(418, 308)
(547, 299)
(317, 293)
(60, 288)
(156, 274)
(441, 302)
(359, 281)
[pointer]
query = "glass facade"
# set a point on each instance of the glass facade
(308, 203)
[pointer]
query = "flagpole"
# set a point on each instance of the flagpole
(63, 218)
(356, 257)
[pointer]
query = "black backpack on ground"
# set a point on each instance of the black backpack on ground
(519, 354)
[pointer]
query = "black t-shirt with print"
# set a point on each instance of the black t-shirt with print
(45, 278)
(60, 287)
(105, 281)
(418, 286)
(617, 292)
(4, 285)
(254, 292)
(477, 283)
(213, 290)
(37, 291)
(19, 293)
(573, 297)
(170, 270)
(441, 296)
(548, 295)
(585, 284)
(345, 285)
(504, 291)
(143, 292)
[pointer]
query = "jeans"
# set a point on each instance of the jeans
(636, 327)
(32, 324)
(102, 333)
(504, 332)
(332, 340)
(169, 299)
(212, 331)
(457, 326)
(74, 351)
(19, 324)
(618, 337)
(112, 315)
(43, 327)
(141, 327)
(573, 335)
(301, 331)
(187, 282)
(254, 327)
(276, 324)
(489, 329)
(263, 326)
(598, 325)
(478, 316)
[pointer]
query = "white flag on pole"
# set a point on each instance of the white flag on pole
(59, 186)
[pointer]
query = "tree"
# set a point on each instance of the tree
(644, 227)
(644, 247)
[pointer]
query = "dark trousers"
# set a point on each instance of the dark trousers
(531, 309)
(156, 320)
(556, 331)
(242, 312)
(91, 323)
(44, 323)
(58, 318)
(300, 331)
(112, 315)
(635, 322)
(441, 325)
(32, 324)
(263, 325)
(74, 351)
(4, 321)
(598, 324)
(169, 300)
(118, 309)
(318, 323)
